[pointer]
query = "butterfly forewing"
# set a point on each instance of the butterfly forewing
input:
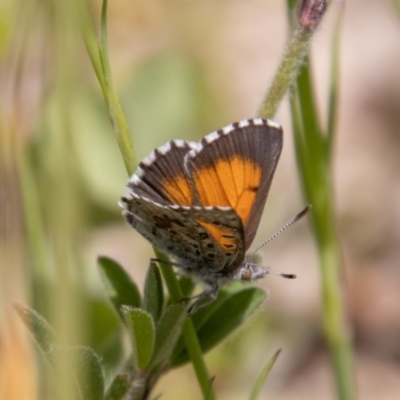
(234, 167)
(161, 177)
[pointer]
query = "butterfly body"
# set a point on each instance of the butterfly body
(201, 202)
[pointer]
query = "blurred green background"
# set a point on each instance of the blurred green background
(183, 69)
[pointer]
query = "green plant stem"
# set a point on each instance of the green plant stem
(189, 333)
(336, 329)
(117, 116)
(313, 150)
(308, 15)
(286, 73)
(33, 220)
(92, 48)
(101, 65)
(314, 161)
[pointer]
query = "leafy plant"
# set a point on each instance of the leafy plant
(155, 330)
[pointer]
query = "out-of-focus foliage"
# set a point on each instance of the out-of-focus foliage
(182, 70)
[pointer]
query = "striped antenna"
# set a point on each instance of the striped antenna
(301, 214)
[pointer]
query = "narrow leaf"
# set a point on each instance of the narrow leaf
(41, 330)
(167, 332)
(117, 116)
(92, 47)
(153, 298)
(120, 287)
(142, 332)
(263, 376)
(225, 317)
(118, 388)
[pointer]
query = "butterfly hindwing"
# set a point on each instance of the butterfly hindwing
(188, 233)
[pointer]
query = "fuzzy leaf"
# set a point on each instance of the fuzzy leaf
(89, 373)
(167, 332)
(142, 331)
(153, 298)
(41, 330)
(120, 287)
(118, 388)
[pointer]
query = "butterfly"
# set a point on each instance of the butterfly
(202, 202)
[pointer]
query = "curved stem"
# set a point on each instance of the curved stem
(189, 333)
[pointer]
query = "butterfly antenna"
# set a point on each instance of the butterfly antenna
(300, 215)
(287, 276)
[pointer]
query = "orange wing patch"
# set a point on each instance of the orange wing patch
(224, 236)
(233, 183)
(178, 190)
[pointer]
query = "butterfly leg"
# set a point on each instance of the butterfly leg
(166, 262)
(195, 306)
(212, 292)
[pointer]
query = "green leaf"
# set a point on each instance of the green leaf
(153, 298)
(142, 332)
(187, 285)
(201, 316)
(118, 388)
(103, 331)
(262, 376)
(41, 330)
(226, 315)
(78, 370)
(167, 332)
(230, 314)
(89, 373)
(120, 287)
